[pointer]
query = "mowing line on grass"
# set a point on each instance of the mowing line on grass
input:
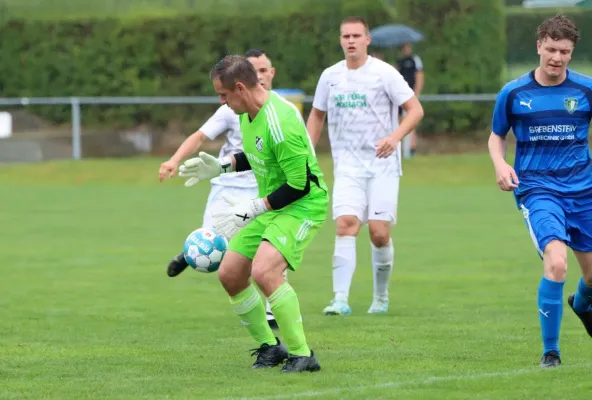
(415, 382)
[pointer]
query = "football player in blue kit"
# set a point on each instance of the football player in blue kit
(549, 111)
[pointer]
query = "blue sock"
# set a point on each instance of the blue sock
(550, 301)
(583, 298)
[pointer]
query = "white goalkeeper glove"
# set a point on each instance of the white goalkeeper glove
(229, 221)
(203, 168)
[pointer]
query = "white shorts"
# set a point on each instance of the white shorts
(216, 201)
(366, 198)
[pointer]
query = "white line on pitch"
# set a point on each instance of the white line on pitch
(414, 382)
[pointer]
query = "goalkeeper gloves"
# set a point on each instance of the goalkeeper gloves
(229, 221)
(204, 167)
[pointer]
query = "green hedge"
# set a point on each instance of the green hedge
(521, 26)
(166, 56)
(172, 56)
(139, 9)
(463, 53)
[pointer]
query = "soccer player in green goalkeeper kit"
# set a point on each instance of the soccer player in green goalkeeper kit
(270, 233)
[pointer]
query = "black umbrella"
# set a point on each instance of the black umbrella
(394, 35)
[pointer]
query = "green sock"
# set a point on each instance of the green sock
(286, 309)
(249, 306)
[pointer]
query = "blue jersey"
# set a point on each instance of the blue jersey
(551, 127)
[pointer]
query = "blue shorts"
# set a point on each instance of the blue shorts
(552, 217)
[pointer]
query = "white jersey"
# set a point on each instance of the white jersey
(362, 107)
(226, 121)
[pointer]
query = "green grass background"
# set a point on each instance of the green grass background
(87, 311)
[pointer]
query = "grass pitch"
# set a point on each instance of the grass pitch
(87, 311)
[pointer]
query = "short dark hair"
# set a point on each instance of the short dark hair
(354, 19)
(558, 27)
(232, 69)
(255, 53)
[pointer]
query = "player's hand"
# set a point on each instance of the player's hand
(386, 146)
(506, 177)
(167, 170)
(229, 221)
(202, 168)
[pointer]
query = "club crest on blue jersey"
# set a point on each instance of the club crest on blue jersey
(259, 143)
(570, 104)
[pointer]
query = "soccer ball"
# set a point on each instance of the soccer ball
(204, 250)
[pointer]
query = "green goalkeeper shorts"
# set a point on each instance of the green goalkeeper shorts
(288, 233)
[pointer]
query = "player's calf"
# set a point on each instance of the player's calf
(584, 316)
(177, 265)
(383, 253)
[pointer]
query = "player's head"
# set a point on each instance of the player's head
(234, 77)
(355, 38)
(262, 64)
(556, 39)
(406, 49)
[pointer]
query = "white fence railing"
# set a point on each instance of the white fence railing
(77, 102)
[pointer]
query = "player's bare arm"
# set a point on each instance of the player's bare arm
(414, 114)
(314, 124)
(419, 82)
(188, 147)
(505, 174)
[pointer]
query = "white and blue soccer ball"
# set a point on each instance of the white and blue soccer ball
(204, 250)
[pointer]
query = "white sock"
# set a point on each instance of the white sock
(267, 306)
(382, 265)
(344, 265)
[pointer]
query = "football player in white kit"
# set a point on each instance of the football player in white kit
(241, 184)
(361, 96)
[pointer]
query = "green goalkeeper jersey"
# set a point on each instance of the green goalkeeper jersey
(279, 150)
